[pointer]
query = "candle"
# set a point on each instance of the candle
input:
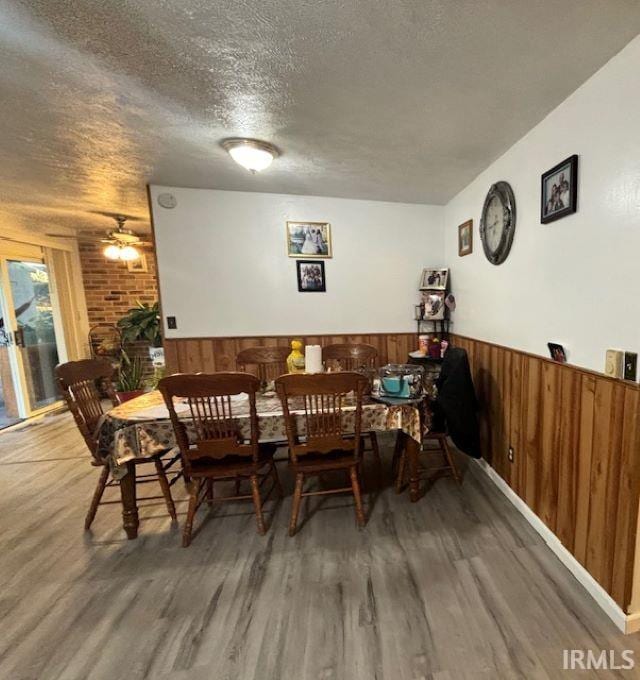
(313, 359)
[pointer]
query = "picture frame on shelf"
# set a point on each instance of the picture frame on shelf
(465, 238)
(309, 240)
(434, 306)
(559, 190)
(434, 279)
(311, 276)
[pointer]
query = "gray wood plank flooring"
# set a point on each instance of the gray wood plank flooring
(456, 586)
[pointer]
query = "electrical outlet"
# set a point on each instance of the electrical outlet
(171, 323)
(511, 456)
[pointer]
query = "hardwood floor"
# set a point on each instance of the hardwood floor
(456, 586)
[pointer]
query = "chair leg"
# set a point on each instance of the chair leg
(166, 489)
(452, 463)
(194, 489)
(237, 486)
(376, 449)
(257, 504)
(276, 479)
(209, 491)
(397, 452)
(402, 463)
(97, 497)
(355, 486)
(295, 506)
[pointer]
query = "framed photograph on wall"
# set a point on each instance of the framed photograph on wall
(559, 191)
(311, 276)
(309, 239)
(138, 265)
(434, 279)
(465, 238)
(433, 305)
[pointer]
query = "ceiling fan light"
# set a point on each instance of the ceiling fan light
(251, 153)
(129, 253)
(112, 252)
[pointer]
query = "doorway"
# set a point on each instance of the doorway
(30, 346)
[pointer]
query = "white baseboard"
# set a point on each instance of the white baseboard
(626, 623)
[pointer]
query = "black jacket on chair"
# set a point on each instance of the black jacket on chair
(456, 402)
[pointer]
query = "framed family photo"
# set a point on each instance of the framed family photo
(465, 238)
(309, 239)
(311, 277)
(138, 265)
(434, 279)
(433, 305)
(559, 192)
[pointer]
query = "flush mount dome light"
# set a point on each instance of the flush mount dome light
(251, 154)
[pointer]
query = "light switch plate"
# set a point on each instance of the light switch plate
(630, 366)
(614, 363)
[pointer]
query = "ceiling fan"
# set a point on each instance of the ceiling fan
(121, 243)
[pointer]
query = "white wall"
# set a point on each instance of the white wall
(224, 271)
(577, 280)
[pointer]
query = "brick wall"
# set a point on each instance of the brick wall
(111, 289)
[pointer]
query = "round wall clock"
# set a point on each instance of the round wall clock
(498, 222)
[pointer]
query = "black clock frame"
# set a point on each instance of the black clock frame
(505, 194)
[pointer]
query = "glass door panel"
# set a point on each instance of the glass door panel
(34, 337)
(9, 408)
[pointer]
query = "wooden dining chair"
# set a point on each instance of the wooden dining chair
(267, 362)
(351, 357)
(448, 467)
(81, 384)
(317, 403)
(213, 445)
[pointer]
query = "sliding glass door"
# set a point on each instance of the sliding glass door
(29, 346)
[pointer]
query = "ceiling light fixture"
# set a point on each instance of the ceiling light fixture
(124, 253)
(251, 154)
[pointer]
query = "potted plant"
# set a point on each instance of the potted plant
(142, 322)
(129, 378)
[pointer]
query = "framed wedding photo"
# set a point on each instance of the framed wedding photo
(433, 305)
(465, 238)
(309, 239)
(434, 279)
(311, 277)
(559, 191)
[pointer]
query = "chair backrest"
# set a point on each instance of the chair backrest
(320, 401)
(269, 362)
(212, 426)
(351, 357)
(80, 383)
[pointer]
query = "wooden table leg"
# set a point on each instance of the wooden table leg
(129, 507)
(412, 452)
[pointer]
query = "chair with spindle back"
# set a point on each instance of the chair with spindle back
(211, 442)
(319, 401)
(80, 383)
(352, 357)
(269, 362)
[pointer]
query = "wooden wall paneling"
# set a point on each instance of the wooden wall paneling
(627, 515)
(547, 491)
(531, 431)
(568, 457)
(585, 451)
(515, 420)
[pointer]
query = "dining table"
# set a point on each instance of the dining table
(140, 428)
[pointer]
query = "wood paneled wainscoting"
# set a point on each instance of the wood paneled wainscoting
(219, 354)
(575, 436)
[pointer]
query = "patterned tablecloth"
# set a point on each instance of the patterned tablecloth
(141, 427)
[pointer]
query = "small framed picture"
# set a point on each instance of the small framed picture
(433, 305)
(309, 239)
(465, 238)
(434, 279)
(559, 192)
(557, 352)
(311, 276)
(138, 265)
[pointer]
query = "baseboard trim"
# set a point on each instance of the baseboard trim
(627, 623)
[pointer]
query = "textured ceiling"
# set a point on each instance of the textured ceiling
(394, 100)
